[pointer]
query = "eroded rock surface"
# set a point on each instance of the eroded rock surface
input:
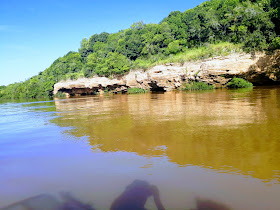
(266, 70)
(216, 71)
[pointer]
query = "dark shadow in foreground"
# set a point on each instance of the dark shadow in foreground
(50, 202)
(134, 197)
(209, 205)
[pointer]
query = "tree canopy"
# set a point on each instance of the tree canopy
(253, 23)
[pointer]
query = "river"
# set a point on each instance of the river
(220, 145)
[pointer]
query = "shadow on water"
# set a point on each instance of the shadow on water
(134, 197)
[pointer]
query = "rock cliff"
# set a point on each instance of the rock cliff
(266, 70)
(218, 71)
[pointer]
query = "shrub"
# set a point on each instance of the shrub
(114, 63)
(197, 86)
(60, 94)
(136, 90)
(275, 43)
(173, 47)
(73, 76)
(239, 83)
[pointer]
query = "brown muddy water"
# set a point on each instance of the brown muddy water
(220, 145)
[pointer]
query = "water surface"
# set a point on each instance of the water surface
(220, 145)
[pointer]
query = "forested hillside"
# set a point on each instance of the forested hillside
(253, 25)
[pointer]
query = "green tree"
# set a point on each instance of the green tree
(173, 47)
(275, 43)
(114, 63)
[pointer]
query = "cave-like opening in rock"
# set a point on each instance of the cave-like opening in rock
(266, 83)
(79, 91)
(155, 88)
(263, 80)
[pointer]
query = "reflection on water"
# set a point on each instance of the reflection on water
(196, 147)
(225, 131)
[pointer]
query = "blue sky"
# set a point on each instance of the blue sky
(33, 33)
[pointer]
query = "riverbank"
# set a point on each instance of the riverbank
(218, 71)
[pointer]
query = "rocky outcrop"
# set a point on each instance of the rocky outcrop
(266, 70)
(217, 71)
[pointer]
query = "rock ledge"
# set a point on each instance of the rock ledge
(216, 71)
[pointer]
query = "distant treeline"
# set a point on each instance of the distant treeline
(255, 24)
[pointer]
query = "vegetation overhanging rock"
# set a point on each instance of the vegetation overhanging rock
(253, 25)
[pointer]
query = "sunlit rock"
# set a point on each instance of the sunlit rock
(217, 71)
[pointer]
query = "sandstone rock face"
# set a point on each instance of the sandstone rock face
(266, 70)
(217, 71)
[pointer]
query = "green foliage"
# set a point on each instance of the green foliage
(236, 21)
(275, 5)
(114, 63)
(193, 54)
(87, 44)
(132, 43)
(173, 47)
(60, 94)
(216, 27)
(42, 85)
(85, 49)
(197, 86)
(207, 51)
(2, 88)
(136, 90)
(275, 44)
(239, 83)
(74, 76)
(70, 63)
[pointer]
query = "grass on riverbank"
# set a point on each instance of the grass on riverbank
(193, 54)
(197, 86)
(136, 90)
